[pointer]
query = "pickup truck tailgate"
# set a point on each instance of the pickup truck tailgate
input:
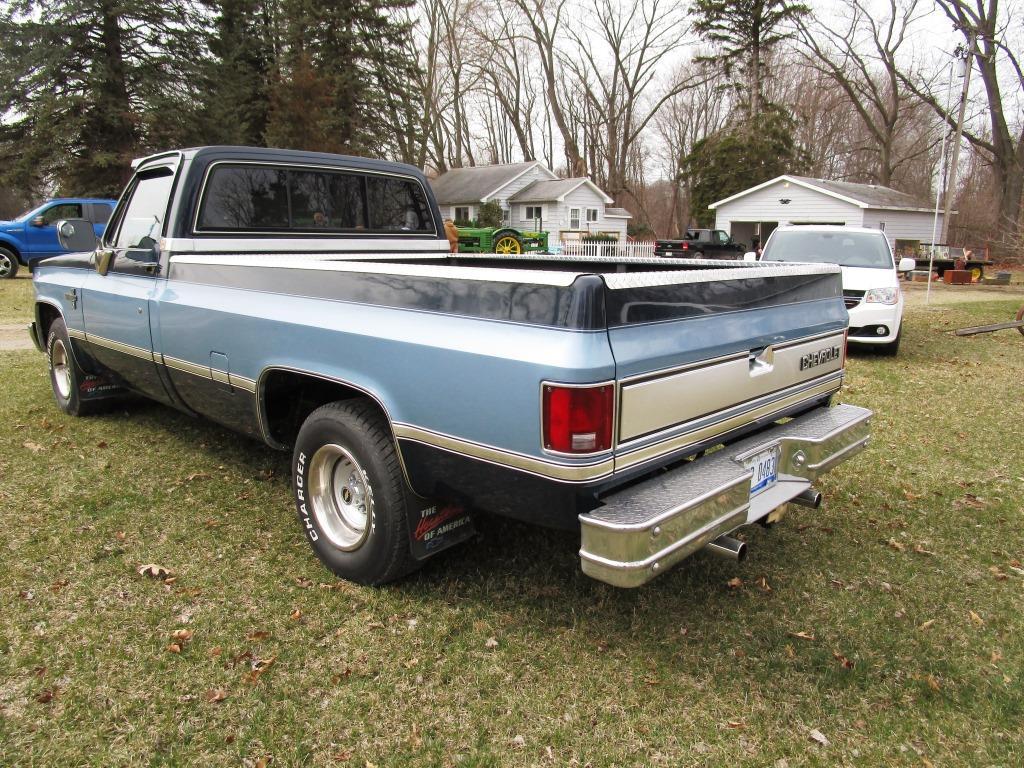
(699, 353)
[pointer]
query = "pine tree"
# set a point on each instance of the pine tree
(347, 62)
(235, 90)
(745, 31)
(86, 84)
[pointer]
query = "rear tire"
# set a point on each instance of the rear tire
(507, 243)
(65, 376)
(8, 264)
(350, 494)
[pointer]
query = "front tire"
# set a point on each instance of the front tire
(65, 376)
(8, 264)
(350, 494)
(893, 346)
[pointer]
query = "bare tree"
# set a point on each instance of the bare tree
(618, 78)
(686, 118)
(859, 55)
(1002, 142)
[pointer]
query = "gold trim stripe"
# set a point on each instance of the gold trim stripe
(215, 374)
(492, 455)
(118, 346)
(631, 459)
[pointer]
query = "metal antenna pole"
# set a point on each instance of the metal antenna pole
(943, 171)
(950, 182)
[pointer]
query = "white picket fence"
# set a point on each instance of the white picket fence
(612, 250)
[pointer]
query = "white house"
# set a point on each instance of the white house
(906, 220)
(531, 197)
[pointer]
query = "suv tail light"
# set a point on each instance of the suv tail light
(578, 419)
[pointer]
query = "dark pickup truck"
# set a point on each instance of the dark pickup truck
(701, 244)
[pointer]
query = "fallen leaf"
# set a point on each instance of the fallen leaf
(174, 648)
(215, 651)
(817, 736)
(492, 642)
(790, 651)
(932, 683)
(48, 695)
(304, 582)
(763, 585)
(216, 695)
(736, 724)
(735, 582)
(154, 571)
(101, 444)
(120, 535)
(978, 621)
(518, 741)
(996, 657)
(259, 666)
(295, 615)
(258, 634)
(926, 624)
(843, 661)
(919, 549)
(410, 663)
(197, 476)
(182, 635)
(893, 544)
(802, 635)
(57, 586)
(263, 762)
(34, 447)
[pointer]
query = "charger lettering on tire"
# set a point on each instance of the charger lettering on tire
(300, 494)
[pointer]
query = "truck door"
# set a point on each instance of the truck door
(117, 305)
(41, 232)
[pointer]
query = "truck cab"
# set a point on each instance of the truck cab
(32, 236)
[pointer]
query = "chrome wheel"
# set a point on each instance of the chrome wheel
(61, 366)
(6, 266)
(341, 497)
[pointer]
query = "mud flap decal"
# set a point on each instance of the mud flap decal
(96, 387)
(437, 528)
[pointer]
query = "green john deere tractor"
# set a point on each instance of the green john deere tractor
(503, 240)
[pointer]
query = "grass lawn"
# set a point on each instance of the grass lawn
(884, 629)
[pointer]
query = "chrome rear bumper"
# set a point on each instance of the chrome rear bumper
(644, 530)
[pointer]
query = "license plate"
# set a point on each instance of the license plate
(764, 468)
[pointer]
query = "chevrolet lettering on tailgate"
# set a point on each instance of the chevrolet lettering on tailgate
(814, 359)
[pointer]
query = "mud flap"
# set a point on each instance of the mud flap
(98, 387)
(437, 528)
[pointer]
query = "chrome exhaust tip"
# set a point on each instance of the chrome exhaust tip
(810, 498)
(728, 547)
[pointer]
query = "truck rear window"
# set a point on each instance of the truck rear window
(260, 198)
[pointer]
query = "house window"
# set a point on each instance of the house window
(462, 213)
(574, 218)
(591, 215)
(881, 225)
(533, 212)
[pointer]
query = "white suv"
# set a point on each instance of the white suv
(871, 286)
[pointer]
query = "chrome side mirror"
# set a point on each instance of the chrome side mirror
(76, 235)
(38, 221)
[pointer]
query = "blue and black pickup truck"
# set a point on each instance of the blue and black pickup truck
(32, 236)
(309, 301)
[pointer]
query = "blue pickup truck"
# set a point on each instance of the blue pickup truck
(33, 235)
(309, 301)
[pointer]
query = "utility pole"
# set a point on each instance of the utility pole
(966, 54)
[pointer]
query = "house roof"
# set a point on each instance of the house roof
(620, 212)
(861, 195)
(554, 189)
(477, 184)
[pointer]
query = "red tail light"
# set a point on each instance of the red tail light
(578, 419)
(686, 246)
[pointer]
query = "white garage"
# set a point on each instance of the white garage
(906, 220)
